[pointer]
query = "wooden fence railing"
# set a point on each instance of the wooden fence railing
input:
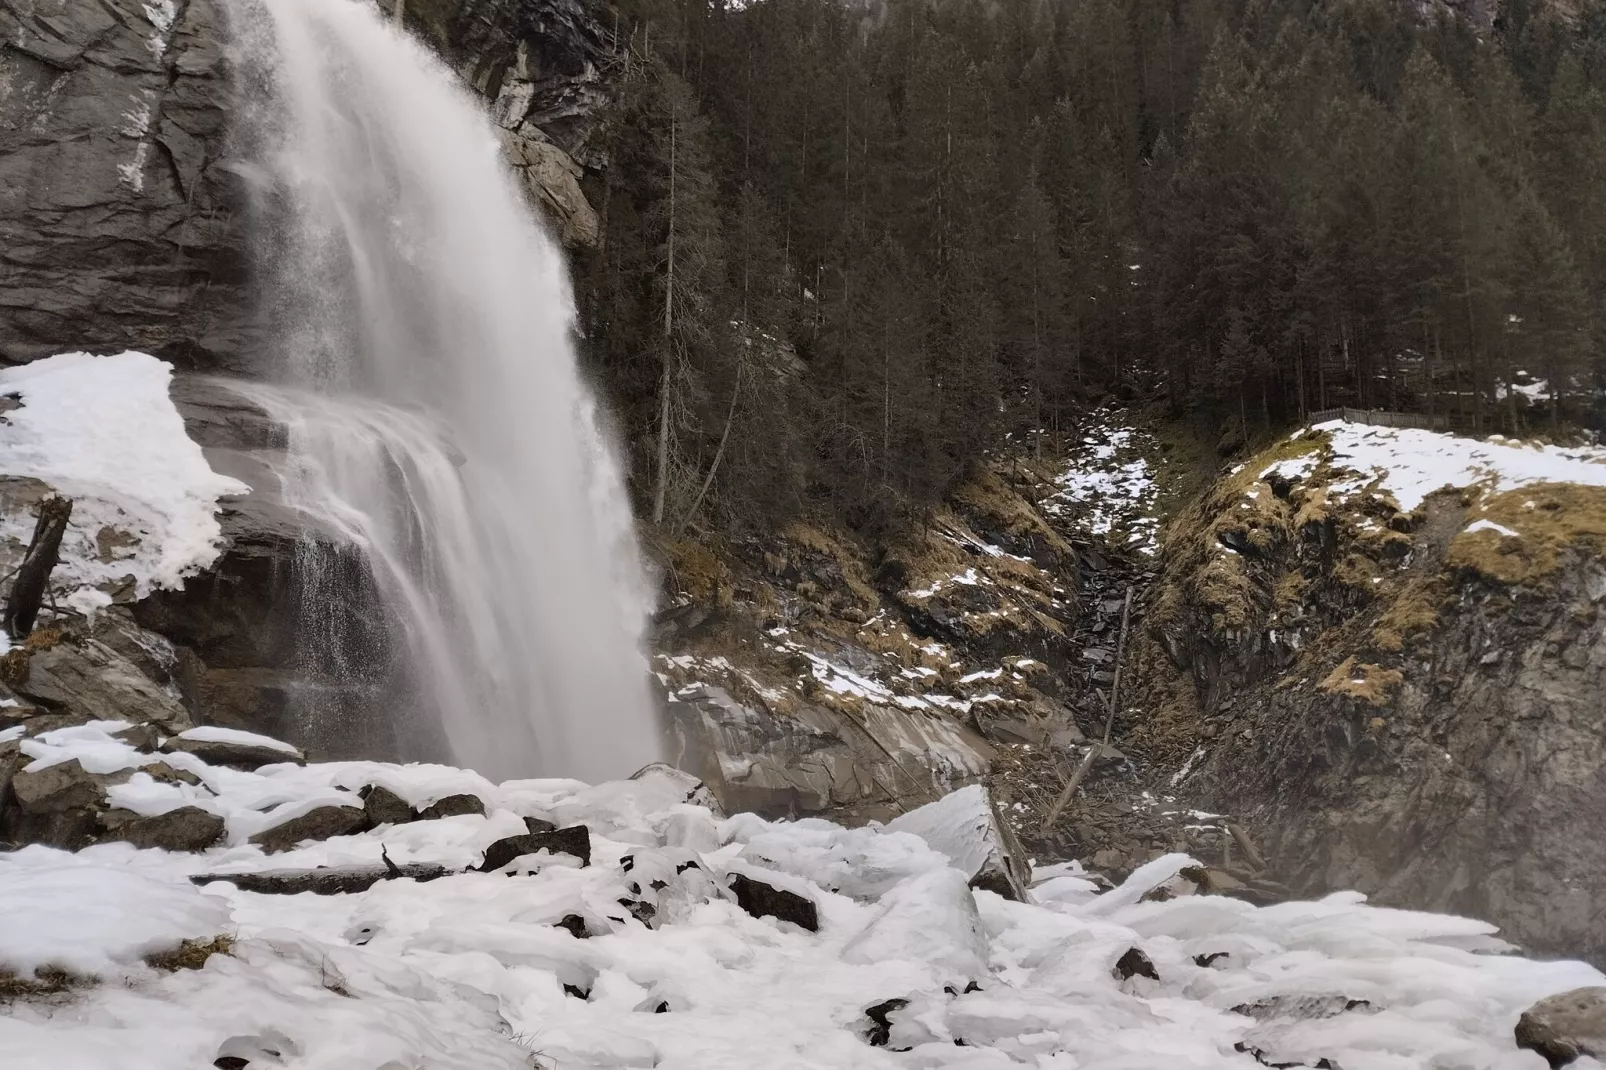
(1383, 418)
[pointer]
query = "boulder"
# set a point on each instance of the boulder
(385, 807)
(764, 900)
(237, 750)
(187, 828)
(454, 806)
(1566, 1026)
(575, 840)
(91, 681)
(965, 825)
(56, 806)
(319, 823)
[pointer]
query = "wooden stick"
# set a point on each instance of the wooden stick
(1082, 770)
(33, 575)
(1252, 856)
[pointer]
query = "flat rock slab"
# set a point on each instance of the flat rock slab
(1566, 1026)
(235, 755)
(574, 840)
(188, 828)
(319, 823)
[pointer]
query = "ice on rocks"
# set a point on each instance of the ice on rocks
(962, 825)
(469, 970)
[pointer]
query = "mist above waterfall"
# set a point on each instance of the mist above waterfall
(437, 420)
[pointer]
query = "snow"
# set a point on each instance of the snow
(1410, 464)
(216, 734)
(103, 431)
(1489, 525)
(1108, 486)
(467, 972)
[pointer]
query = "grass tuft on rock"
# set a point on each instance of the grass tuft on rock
(191, 954)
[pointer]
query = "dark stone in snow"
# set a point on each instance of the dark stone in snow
(318, 824)
(1135, 964)
(576, 926)
(763, 900)
(454, 806)
(535, 824)
(880, 1015)
(1566, 1026)
(188, 828)
(574, 840)
(1210, 959)
(385, 807)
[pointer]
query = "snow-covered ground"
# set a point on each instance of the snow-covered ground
(473, 971)
(1108, 486)
(103, 432)
(1409, 464)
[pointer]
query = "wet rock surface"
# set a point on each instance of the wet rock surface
(1566, 1027)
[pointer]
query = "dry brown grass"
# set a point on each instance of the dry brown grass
(1369, 683)
(1549, 520)
(191, 954)
(44, 982)
(1412, 611)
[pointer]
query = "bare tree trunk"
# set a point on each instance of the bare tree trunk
(719, 453)
(33, 575)
(662, 491)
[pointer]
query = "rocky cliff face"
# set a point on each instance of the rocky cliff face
(1399, 697)
(122, 225)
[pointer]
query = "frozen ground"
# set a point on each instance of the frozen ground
(472, 971)
(103, 432)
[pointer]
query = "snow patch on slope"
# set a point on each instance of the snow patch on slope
(1108, 486)
(1410, 464)
(103, 431)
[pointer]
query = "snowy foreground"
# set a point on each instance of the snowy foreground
(473, 970)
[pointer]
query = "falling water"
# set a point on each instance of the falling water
(436, 418)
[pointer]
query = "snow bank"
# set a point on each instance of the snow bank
(1410, 464)
(473, 970)
(103, 431)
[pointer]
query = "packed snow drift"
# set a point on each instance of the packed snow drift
(668, 936)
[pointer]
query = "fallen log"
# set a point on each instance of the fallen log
(342, 880)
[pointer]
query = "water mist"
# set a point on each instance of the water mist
(437, 421)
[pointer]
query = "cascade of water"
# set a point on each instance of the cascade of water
(437, 421)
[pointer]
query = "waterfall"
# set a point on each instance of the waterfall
(437, 422)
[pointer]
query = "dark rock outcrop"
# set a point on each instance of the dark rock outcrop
(187, 828)
(575, 840)
(767, 901)
(118, 220)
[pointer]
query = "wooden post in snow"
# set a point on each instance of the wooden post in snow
(33, 575)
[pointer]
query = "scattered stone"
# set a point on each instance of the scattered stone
(453, 806)
(576, 925)
(330, 881)
(535, 824)
(187, 828)
(168, 775)
(965, 825)
(1301, 1007)
(236, 754)
(142, 737)
(55, 788)
(1566, 1026)
(881, 1021)
(319, 823)
(1209, 960)
(764, 900)
(385, 807)
(1135, 964)
(574, 840)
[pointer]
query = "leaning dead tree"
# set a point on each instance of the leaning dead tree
(1098, 748)
(33, 575)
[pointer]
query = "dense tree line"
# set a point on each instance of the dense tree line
(849, 249)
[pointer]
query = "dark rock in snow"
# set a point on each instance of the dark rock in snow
(247, 756)
(454, 806)
(56, 806)
(764, 900)
(188, 828)
(574, 840)
(385, 807)
(576, 925)
(1566, 1026)
(1135, 964)
(535, 824)
(881, 1022)
(319, 823)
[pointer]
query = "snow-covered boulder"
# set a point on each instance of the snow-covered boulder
(965, 826)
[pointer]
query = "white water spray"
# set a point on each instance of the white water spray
(437, 421)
